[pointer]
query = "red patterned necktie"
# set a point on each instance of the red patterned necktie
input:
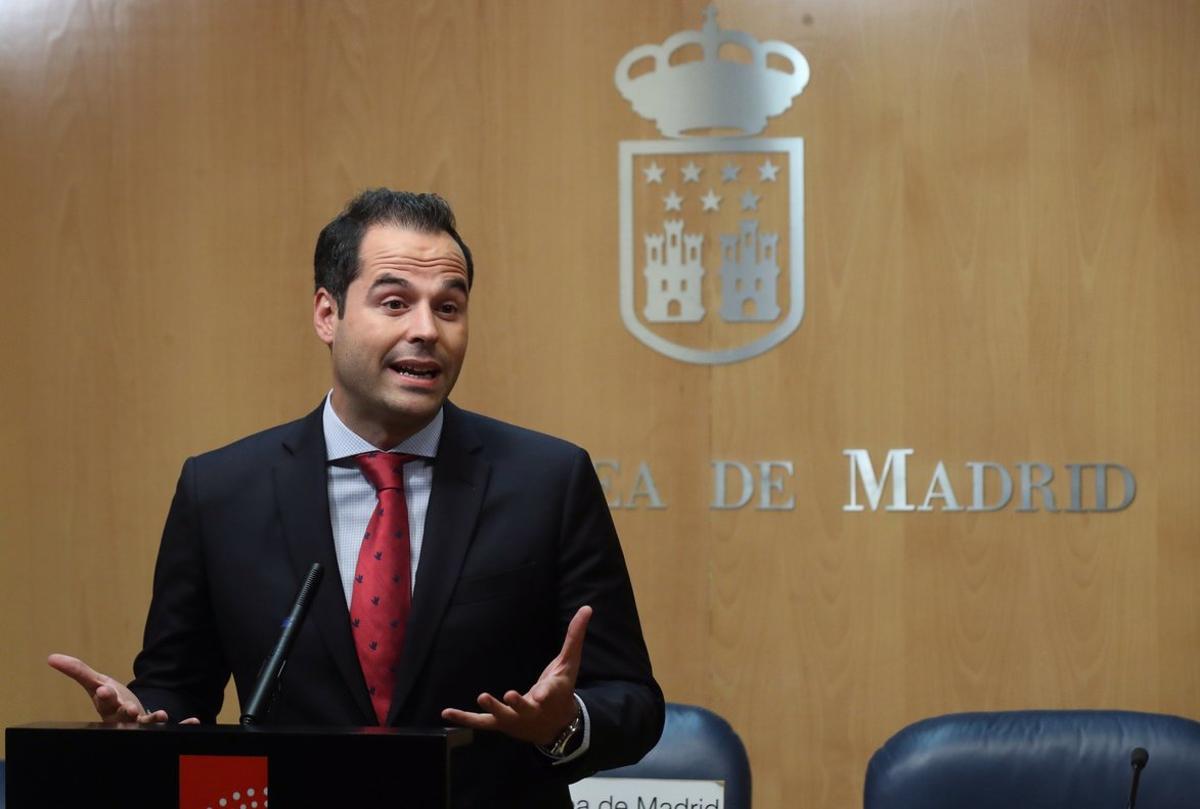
(382, 594)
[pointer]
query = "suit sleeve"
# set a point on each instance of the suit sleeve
(624, 702)
(181, 668)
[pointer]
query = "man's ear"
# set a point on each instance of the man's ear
(325, 316)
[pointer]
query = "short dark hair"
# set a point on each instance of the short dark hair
(335, 261)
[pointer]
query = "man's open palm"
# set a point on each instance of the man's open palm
(541, 713)
(112, 700)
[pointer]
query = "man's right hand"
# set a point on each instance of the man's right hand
(113, 701)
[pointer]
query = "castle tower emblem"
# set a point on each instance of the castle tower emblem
(749, 273)
(673, 275)
(711, 218)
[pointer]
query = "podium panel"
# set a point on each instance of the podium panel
(157, 766)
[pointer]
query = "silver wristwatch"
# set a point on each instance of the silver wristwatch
(558, 747)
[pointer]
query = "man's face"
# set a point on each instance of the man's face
(399, 347)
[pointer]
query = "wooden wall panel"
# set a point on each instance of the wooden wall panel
(1002, 250)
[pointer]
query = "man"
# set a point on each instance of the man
(505, 606)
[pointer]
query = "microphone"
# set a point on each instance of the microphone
(268, 676)
(1137, 759)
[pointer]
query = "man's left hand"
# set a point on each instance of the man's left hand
(540, 714)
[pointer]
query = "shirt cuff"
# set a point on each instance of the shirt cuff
(583, 745)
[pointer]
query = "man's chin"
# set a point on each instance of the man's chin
(414, 406)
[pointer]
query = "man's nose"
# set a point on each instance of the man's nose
(422, 324)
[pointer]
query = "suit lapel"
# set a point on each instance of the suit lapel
(302, 497)
(459, 481)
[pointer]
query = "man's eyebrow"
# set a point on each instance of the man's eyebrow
(389, 280)
(455, 282)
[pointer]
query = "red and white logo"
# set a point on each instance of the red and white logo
(223, 782)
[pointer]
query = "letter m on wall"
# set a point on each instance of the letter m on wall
(862, 470)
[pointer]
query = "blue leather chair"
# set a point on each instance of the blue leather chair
(696, 744)
(1036, 760)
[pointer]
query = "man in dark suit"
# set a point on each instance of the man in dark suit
(511, 610)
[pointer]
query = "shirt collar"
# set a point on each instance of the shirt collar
(342, 442)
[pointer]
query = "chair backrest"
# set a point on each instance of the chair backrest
(1036, 760)
(696, 744)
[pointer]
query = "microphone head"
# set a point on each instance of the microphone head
(1139, 757)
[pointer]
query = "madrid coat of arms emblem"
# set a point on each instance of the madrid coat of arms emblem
(712, 226)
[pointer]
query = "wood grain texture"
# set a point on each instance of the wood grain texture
(1002, 253)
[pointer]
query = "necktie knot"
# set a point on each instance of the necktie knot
(384, 470)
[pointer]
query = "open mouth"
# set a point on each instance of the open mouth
(416, 370)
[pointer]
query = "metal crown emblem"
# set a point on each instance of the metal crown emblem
(712, 91)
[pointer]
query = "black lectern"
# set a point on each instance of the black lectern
(229, 767)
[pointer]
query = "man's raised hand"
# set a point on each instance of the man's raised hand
(112, 700)
(540, 714)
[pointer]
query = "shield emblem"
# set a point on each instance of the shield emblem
(712, 245)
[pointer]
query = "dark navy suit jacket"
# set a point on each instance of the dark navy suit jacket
(517, 537)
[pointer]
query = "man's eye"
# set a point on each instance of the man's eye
(394, 304)
(449, 308)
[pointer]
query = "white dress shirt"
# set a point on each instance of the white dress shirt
(352, 498)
